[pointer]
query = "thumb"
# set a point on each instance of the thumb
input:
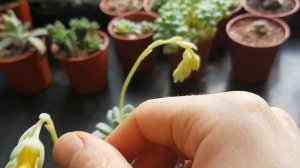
(82, 150)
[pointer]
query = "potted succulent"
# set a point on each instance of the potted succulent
(48, 11)
(255, 44)
(283, 9)
(132, 33)
(113, 8)
(20, 7)
(221, 39)
(195, 21)
(82, 53)
(22, 55)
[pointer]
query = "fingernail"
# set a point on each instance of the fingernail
(65, 148)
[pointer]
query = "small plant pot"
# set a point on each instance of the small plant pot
(147, 7)
(221, 39)
(21, 8)
(111, 14)
(28, 73)
(253, 63)
(87, 73)
(284, 15)
(129, 49)
(204, 47)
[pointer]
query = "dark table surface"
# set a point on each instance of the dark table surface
(71, 111)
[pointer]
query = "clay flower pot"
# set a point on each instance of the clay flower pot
(285, 15)
(87, 73)
(253, 63)
(221, 39)
(129, 49)
(111, 14)
(21, 8)
(28, 73)
(204, 47)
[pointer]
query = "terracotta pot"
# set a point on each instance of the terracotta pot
(28, 73)
(88, 74)
(287, 16)
(104, 8)
(253, 64)
(221, 39)
(21, 8)
(147, 7)
(130, 49)
(204, 47)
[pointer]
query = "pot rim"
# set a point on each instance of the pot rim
(279, 15)
(18, 57)
(22, 56)
(102, 34)
(279, 22)
(119, 37)
(237, 9)
(103, 8)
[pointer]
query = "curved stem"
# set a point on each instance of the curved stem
(145, 53)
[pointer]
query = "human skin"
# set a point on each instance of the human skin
(233, 129)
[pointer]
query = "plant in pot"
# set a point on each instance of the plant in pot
(221, 39)
(22, 55)
(283, 9)
(20, 7)
(114, 8)
(255, 44)
(82, 53)
(132, 33)
(48, 11)
(194, 20)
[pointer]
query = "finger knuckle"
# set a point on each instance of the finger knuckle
(251, 100)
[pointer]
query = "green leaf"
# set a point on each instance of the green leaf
(5, 43)
(104, 128)
(38, 44)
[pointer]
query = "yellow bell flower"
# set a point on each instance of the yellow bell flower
(189, 63)
(30, 152)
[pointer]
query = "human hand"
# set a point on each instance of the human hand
(234, 129)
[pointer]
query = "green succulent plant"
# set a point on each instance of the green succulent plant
(81, 38)
(194, 20)
(114, 119)
(126, 27)
(16, 36)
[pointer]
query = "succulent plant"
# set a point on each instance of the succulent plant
(260, 27)
(81, 38)
(194, 20)
(126, 27)
(16, 36)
